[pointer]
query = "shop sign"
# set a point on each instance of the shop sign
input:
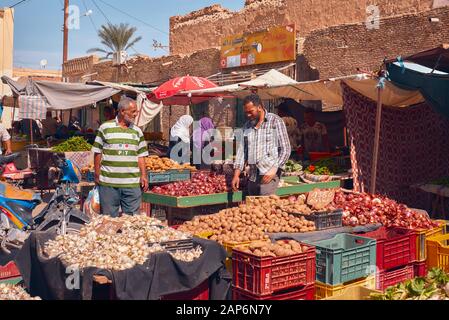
(275, 44)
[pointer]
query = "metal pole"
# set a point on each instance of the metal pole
(31, 131)
(376, 141)
(140, 112)
(65, 54)
(13, 116)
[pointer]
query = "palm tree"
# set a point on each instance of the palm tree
(115, 38)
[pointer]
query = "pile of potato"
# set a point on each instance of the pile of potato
(157, 164)
(295, 205)
(281, 248)
(248, 222)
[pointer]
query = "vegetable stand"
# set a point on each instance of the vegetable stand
(306, 187)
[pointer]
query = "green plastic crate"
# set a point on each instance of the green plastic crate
(344, 258)
(179, 175)
(306, 187)
(192, 201)
(158, 177)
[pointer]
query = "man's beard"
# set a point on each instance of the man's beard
(128, 121)
(257, 119)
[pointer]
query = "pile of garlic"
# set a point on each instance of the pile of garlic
(14, 292)
(139, 236)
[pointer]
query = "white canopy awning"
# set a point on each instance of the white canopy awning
(274, 85)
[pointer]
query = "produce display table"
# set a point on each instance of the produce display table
(193, 201)
(231, 197)
(306, 187)
(159, 276)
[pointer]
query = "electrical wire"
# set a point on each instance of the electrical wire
(18, 3)
(109, 21)
(101, 11)
(90, 17)
(135, 18)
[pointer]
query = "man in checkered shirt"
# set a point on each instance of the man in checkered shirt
(264, 145)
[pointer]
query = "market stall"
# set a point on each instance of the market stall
(160, 275)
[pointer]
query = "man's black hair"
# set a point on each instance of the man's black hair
(283, 108)
(309, 110)
(254, 98)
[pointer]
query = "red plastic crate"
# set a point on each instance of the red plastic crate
(420, 269)
(9, 271)
(390, 278)
(267, 275)
(395, 247)
(199, 293)
(301, 293)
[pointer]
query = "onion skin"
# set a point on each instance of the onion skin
(200, 184)
(360, 209)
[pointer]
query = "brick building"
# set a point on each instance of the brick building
(333, 40)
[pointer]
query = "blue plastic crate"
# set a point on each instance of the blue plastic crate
(179, 175)
(344, 258)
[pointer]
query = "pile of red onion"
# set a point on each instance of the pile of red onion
(362, 209)
(201, 183)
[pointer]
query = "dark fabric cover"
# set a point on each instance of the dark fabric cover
(62, 96)
(433, 87)
(161, 275)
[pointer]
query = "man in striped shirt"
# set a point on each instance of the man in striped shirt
(120, 150)
(264, 146)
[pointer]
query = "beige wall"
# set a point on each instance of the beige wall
(366, 49)
(206, 27)
(6, 56)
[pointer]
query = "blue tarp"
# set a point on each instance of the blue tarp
(433, 86)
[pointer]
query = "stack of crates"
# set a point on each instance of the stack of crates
(396, 255)
(342, 262)
(273, 278)
(10, 274)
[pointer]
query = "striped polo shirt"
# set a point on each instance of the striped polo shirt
(120, 149)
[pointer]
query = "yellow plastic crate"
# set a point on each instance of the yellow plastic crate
(354, 293)
(421, 246)
(438, 252)
(231, 245)
(204, 235)
(324, 291)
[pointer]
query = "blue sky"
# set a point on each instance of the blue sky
(38, 25)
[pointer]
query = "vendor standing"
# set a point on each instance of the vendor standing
(49, 126)
(202, 137)
(5, 137)
(120, 150)
(180, 143)
(314, 134)
(266, 149)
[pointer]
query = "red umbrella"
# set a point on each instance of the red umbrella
(176, 85)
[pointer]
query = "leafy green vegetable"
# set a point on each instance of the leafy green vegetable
(74, 144)
(293, 166)
(432, 287)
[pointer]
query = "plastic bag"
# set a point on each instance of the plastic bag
(92, 204)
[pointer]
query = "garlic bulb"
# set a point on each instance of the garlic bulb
(119, 248)
(14, 292)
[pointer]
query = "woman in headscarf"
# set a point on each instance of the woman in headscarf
(202, 136)
(293, 133)
(180, 140)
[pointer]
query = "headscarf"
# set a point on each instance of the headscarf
(200, 134)
(181, 128)
(292, 130)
